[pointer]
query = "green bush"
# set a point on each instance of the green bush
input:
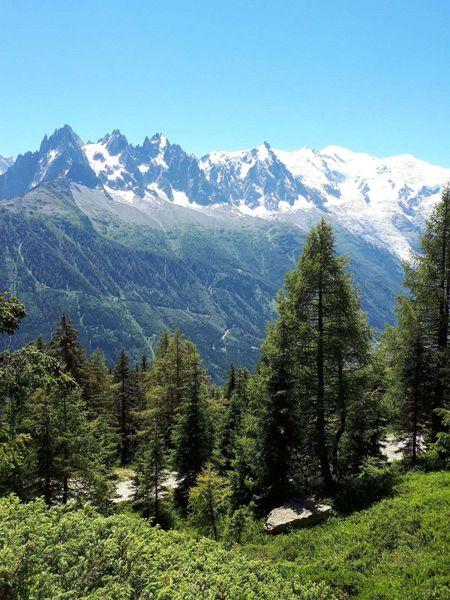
(373, 483)
(71, 553)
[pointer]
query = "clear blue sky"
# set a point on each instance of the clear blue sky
(369, 75)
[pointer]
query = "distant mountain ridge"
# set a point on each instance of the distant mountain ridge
(383, 200)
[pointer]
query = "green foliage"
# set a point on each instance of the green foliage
(66, 347)
(67, 553)
(312, 420)
(396, 549)
(150, 474)
(236, 399)
(241, 527)
(12, 311)
(373, 482)
(209, 502)
(129, 401)
(192, 434)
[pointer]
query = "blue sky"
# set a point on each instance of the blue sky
(373, 76)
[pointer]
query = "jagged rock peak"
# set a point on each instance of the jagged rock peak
(61, 137)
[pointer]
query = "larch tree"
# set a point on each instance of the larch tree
(428, 278)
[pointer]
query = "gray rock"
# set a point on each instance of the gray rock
(296, 513)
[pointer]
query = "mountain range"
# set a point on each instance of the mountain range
(129, 239)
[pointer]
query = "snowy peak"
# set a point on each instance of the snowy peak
(59, 158)
(5, 163)
(384, 200)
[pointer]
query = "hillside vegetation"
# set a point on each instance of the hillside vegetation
(66, 553)
(397, 549)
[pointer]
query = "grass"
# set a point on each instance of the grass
(123, 473)
(397, 549)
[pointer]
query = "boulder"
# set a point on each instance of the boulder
(296, 513)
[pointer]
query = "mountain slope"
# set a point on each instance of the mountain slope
(129, 239)
(123, 278)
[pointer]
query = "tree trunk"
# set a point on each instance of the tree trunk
(343, 415)
(65, 489)
(320, 409)
(442, 337)
(212, 513)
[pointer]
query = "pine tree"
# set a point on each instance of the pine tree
(151, 473)
(279, 426)
(167, 379)
(65, 346)
(98, 387)
(428, 278)
(236, 402)
(191, 436)
(68, 455)
(411, 379)
(129, 401)
(313, 365)
(144, 364)
(209, 502)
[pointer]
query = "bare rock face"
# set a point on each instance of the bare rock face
(296, 513)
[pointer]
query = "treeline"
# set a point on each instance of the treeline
(310, 420)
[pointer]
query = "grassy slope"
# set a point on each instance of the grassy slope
(395, 550)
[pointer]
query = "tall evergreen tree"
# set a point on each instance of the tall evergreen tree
(65, 346)
(129, 401)
(279, 434)
(313, 364)
(98, 387)
(67, 450)
(151, 472)
(235, 405)
(168, 378)
(191, 436)
(428, 278)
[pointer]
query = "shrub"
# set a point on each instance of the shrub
(374, 482)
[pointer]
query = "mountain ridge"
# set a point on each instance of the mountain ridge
(384, 199)
(130, 239)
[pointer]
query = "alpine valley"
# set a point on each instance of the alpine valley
(131, 239)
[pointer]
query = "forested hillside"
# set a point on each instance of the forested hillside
(124, 275)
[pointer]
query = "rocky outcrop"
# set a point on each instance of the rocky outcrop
(295, 514)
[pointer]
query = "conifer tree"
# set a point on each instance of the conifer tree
(313, 366)
(151, 472)
(65, 346)
(191, 436)
(236, 402)
(167, 380)
(129, 401)
(209, 502)
(65, 445)
(428, 278)
(144, 364)
(98, 387)
(279, 427)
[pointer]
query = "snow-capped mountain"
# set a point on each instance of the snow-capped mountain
(385, 201)
(5, 163)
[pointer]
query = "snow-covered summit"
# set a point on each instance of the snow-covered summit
(384, 200)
